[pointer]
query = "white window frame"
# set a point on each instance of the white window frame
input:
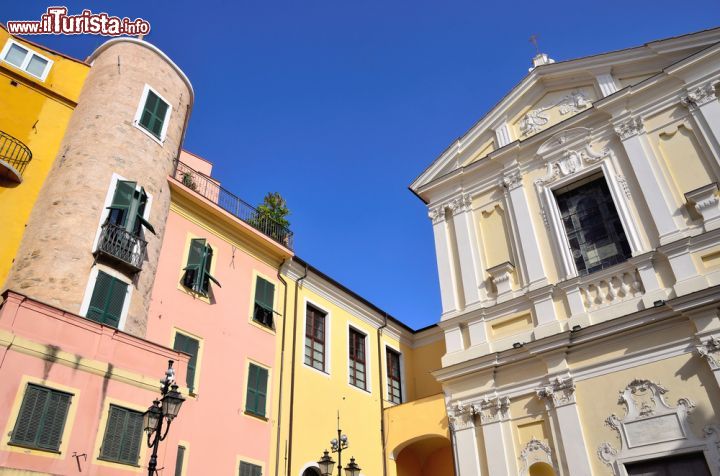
(368, 368)
(403, 389)
(141, 108)
(114, 179)
(572, 167)
(26, 61)
(90, 287)
(327, 371)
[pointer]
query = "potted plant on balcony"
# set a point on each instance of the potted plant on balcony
(271, 217)
(187, 180)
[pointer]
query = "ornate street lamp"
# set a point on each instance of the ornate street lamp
(167, 408)
(337, 445)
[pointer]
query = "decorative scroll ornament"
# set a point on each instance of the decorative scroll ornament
(461, 417)
(458, 204)
(699, 96)
(710, 351)
(436, 215)
(622, 181)
(571, 162)
(511, 180)
(560, 391)
(493, 409)
(536, 451)
(651, 426)
(629, 128)
(536, 119)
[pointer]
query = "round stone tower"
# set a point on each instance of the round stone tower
(107, 191)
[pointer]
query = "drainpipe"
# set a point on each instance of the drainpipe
(292, 371)
(282, 367)
(382, 400)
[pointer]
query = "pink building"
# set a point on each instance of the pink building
(217, 296)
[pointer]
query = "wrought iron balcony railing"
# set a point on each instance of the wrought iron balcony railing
(14, 157)
(234, 205)
(117, 243)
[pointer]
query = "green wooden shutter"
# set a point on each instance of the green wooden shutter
(107, 300)
(264, 299)
(141, 221)
(256, 390)
(28, 422)
(123, 435)
(56, 409)
(206, 268)
(194, 264)
(247, 469)
(153, 115)
(179, 460)
(190, 346)
(42, 418)
(122, 202)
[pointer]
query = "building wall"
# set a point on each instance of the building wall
(36, 113)
(102, 143)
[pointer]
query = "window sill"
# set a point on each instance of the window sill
(360, 388)
(260, 325)
(321, 372)
(124, 463)
(160, 141)
(256, 416)
(34, 448)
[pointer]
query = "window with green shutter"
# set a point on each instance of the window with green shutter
(197, 271)
(41, 420)
(264, 299)
(123, 436)
(249, 469)
(127, 209)
(256, 390)
(154, 114)
(108, 298)
(190, 346)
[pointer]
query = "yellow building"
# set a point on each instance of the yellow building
(38, 93)
(577, 233)
(343, 357)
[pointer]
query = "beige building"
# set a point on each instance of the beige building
(577, 233)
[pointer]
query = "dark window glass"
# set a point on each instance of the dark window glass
(107, 300)
(197, 271)
(123, 435)
(127, 208)
(393, 376)
(264, 298)
(41, 419)
(357, 359)
(190, 346)
(256, 390)
(248, 469)
(593, 227)
(693, 464)
(153, 115)
(315, 338)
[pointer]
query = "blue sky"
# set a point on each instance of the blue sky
(339, 105)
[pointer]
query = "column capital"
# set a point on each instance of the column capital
(493, 409)
(710, 351)
(461, 417)
(436, 215)
(511, 179)
(629, 128)
(461, 203)
(559, 391)
(699, 96)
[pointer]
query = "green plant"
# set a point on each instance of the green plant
(187, 180)
(274, 207)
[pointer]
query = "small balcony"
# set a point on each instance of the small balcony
(122, 247)
(14, 158)
(210, 189)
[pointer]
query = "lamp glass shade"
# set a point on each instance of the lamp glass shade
(326, 464)
(171, 403)
(151, 417)
(352, 469)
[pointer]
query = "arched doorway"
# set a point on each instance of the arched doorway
(427, 456)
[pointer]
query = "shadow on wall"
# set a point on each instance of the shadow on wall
(431, 456)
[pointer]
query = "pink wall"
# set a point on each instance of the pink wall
(214, 423)
(55, 332)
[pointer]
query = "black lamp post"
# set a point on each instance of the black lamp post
(168, 408)
(337, 445)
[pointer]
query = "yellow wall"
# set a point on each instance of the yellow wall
(36, 113)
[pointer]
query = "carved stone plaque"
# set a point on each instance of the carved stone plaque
(656, 429)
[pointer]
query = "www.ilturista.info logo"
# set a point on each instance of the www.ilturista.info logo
(57, 22)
